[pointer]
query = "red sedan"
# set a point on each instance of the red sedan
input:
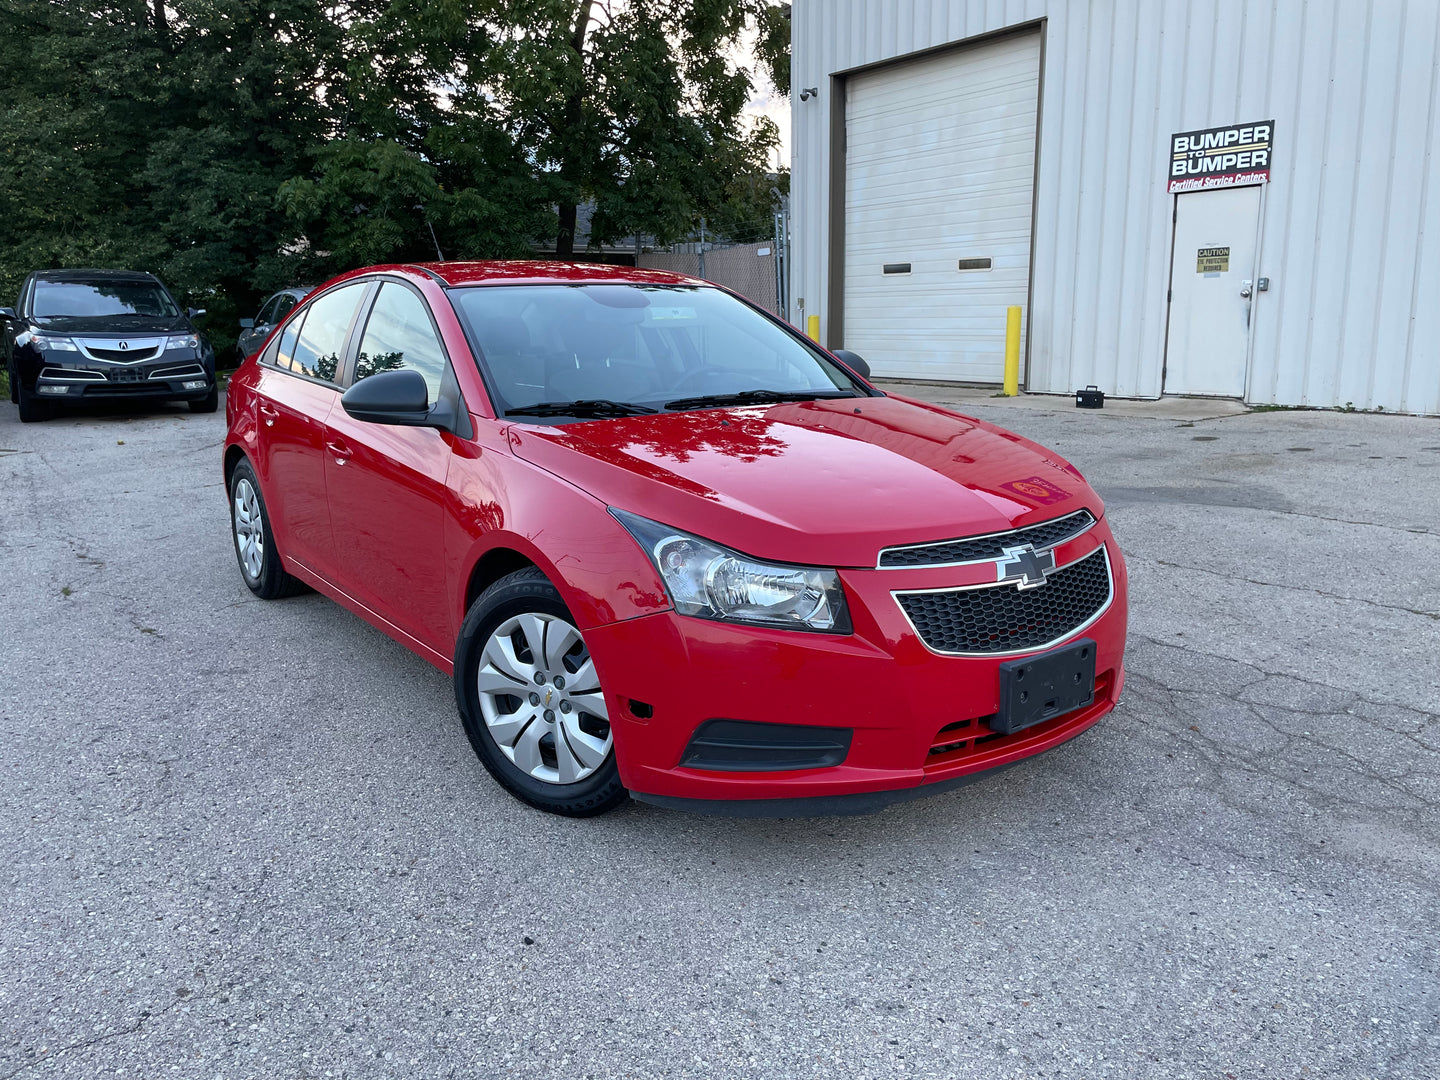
(667, 546)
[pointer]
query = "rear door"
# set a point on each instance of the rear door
(299, 386)
(386, 484)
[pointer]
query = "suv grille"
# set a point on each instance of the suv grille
(977, 548)
(118, 356)
(1002, 618)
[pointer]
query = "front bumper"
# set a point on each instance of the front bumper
(185, 378)
(667, 674)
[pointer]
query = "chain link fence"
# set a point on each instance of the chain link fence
(754, 270)
(748, 269)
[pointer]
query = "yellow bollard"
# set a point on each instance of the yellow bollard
(812, 328)
(1012, 351)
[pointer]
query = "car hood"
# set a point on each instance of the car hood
(826, 482)
(115, 326)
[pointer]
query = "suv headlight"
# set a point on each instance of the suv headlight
(52, 343)
(712, 582)
(183, 341)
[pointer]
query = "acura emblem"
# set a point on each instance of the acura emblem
(1025, 566)
(124, 345)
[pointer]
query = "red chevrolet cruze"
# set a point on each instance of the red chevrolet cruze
(667, 546)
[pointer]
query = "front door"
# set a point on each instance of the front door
(386, 485)
(1212, 278)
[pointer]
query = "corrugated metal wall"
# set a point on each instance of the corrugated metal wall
(1353, 313)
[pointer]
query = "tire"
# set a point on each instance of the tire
(560, 759)
(14, 380)
(32, 410)
(209, 403)
(255, 549)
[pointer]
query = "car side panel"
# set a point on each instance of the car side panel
(290, 443)
(386, 490)
(501, 501)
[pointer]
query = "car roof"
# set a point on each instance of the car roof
(540, 272)
(94, 275)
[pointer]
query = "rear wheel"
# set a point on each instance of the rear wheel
(14, 380)
(255, 549)
(532, 702)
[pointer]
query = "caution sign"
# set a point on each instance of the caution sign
(1212, 260)
(1221, 157)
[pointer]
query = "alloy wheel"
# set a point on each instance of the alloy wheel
(249, 528)
(541, 700)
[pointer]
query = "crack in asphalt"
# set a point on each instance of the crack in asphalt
(1293, 588)
(85, 1044)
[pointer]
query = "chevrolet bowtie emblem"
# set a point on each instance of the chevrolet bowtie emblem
(1025, 566)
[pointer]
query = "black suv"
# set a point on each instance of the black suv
(90, 334)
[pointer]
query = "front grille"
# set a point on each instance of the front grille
(1004, 618)
(118, 356)
(978, 548)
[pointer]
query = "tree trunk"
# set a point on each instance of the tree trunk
(574, 115)
(162, 27)
(565, 242)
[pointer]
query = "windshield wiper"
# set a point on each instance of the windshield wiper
(754, 397)
(586, 407)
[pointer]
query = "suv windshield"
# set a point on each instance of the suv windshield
(89, 299)
(605, 348)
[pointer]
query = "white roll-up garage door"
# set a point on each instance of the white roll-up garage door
(939, 168)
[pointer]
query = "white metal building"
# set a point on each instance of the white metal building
(1237, 198)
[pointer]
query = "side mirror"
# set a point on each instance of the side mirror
(195, 313)
(854, 361)
(247, 324)
(396, 397)
(7, 313)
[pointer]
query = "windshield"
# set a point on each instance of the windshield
(643, 345)
(91, 299)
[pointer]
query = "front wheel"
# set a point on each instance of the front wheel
(209, 403)
(32, 409)
(531, 699)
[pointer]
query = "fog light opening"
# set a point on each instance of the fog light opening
(640, 710)
(53, 389)
(194, 384)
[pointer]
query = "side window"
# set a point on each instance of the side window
(283, 303)
(324, 324)
(267, 316)
(282, 351)
(398, 335)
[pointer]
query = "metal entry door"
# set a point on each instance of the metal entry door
(1212, 293)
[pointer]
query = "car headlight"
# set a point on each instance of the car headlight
(52, 343)
(182, 341)
(712, 582)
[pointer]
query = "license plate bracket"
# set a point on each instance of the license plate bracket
(1038, 688)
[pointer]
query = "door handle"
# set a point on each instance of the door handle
(1245, 289)
(269, 414)
(340, 450)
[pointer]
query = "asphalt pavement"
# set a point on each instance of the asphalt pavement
(249, 840)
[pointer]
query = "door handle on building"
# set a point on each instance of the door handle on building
(1245, 289)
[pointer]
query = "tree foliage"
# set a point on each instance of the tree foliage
(234, 146)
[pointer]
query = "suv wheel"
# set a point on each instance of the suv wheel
(531, 699)
(209, 403)
(32, 409)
